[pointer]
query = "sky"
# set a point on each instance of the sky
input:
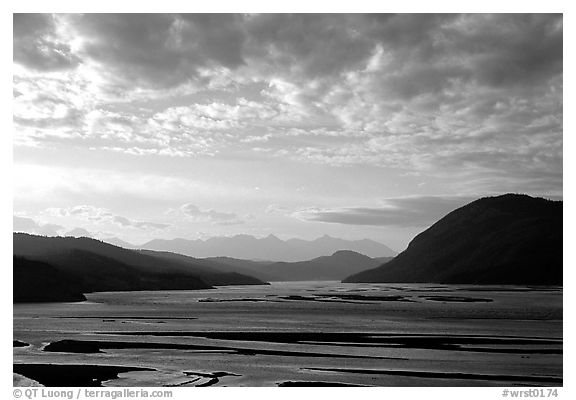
(357, 126)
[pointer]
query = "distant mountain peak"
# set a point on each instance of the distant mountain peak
(269, 248)
(273, 237)
(340, 253)
(119, 242)
(91, 265)
(332, 267)
(78, 232)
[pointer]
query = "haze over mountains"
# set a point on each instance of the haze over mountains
(270, 248)
(64, 268)
(88, 265)
(508, 239)
(325, 268)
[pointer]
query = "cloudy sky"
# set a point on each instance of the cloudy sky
(357, 126)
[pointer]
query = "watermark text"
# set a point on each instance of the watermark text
(85, 393)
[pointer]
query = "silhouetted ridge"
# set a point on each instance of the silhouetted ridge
(213, 272)
(97, 266)
(508, 239)
(35, 281)
(335, 267)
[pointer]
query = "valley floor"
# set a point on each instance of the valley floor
(295, 334)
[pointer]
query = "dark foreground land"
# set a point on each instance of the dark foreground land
(511, 239)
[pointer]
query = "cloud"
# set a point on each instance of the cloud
(277, 209)
(511, 49)
(159, 50)
(215, 116)
(45, 111)
(194, 213)
(84, 212)
(420, 92)
(399, 212)
(41, 184)
(125, 222)
(309, 45)
(164, 50)
(29, 225)
(37, 44)
(241, 114)
(98, 215)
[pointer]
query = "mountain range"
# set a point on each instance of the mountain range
(89, 265)
(65, 268)
(270, 248)
(325, 268)
(508, 239)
